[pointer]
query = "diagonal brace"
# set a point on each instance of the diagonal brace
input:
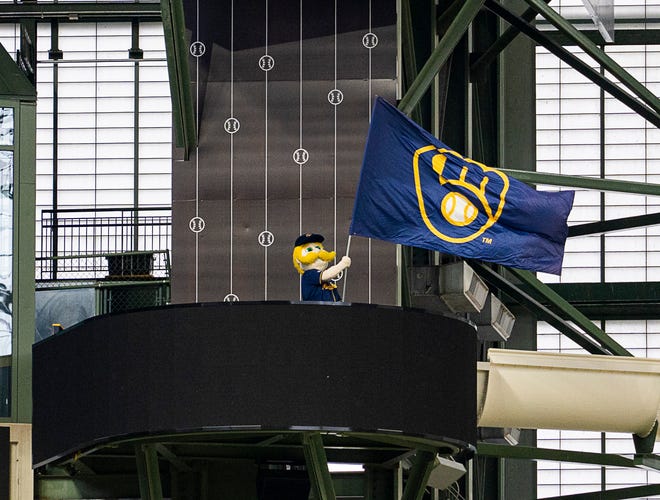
(580, 66)
(317, 466)
(419, 475)
(148, 472)
(596, 53)
(573, 314)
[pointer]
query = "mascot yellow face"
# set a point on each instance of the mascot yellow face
(310, 254)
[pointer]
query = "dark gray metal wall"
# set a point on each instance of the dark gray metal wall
(240, 184)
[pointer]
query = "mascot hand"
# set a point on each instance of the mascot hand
(345, 261)
(333, 272)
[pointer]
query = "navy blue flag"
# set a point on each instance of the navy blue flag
(416, 191)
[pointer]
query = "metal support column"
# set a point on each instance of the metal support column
(317, 466)
(440, 55)
(419, 475)
(148, 472)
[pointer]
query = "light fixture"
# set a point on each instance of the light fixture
(445, 472)
(495, 321)
(461, 288)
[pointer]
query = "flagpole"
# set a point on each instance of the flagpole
(348, 248)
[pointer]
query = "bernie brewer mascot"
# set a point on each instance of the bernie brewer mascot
(311, 260)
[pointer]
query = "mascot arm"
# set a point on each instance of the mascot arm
(333, 272)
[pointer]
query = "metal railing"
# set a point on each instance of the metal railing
(109, 243)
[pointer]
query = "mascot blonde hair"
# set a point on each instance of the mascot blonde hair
(311, 260)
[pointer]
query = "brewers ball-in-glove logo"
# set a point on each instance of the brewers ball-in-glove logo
(469, 199)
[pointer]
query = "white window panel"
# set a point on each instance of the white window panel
(547, 342)
(114, 197)
(113, 119)
(582, 260)
(77, 73)
(44, 151)
(74, 151)
(44, 166)
(114, 104)
(156, 104)
(154, 118)
(114, 151)
(114, 166)
(76, 90)
(548, 476)
(44, 106)
(625, 274)
(114, 43)
(44, 136)
(76, 182)
(75, 136)
(616, 243)
(547, 152)
(624, 121)
(76, 105)
(156, 135)
(584, 214)
(580, 136)
(154, 181)
(153, 151)
(152, 43)
(151, 73)
(626, 152)
(577, 121)
(546, 490)
(154, 89)
(44, 90)
(114, 135)
(155, 197)
(76, 166)
(155, 166)
(115, 73)
(547, 92)
(115, 89)
(74, 199)
(76, 120)
(617, 136)
(547, 111)
(618, 200)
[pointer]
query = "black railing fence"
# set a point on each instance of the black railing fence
(127, 244)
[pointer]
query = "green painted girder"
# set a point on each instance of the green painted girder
(584, 182)
(183, 113)
(13, 82)
(440, 55)
(536, 307)
(83, 11)
(649, 113)
(614, 225)
(408, 56)
(625, 300)
(614, 494)
(597, 54)
(317, 466)
(419, 475)
(485, 59)
(148, 472)
(570, 312)
(532, 453)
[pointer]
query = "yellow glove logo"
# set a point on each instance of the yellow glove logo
(467, 196)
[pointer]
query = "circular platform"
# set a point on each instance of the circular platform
(246, 379)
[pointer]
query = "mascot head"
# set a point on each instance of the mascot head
(308, 253)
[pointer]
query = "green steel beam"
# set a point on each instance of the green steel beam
(614, 225)
(624, 36)
(626, 300)
(571, 312)
(440, 55)
(485, 59)
(408, 56)
(183, 113)
(580, 66)
(83, 11)
(651, 462)
(584, 182)
(148, 472)
(532, 453)
(317, 466)
(536, 307)
(419, 475)
(596, 53)
(615, 494)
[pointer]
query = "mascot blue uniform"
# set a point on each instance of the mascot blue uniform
(311, 260)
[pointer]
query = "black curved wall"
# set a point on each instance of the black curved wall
(272, 365)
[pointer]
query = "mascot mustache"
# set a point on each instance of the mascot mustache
(324, 255)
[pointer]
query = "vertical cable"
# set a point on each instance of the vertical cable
(266, 162)
(231, 160)
(197, 160)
